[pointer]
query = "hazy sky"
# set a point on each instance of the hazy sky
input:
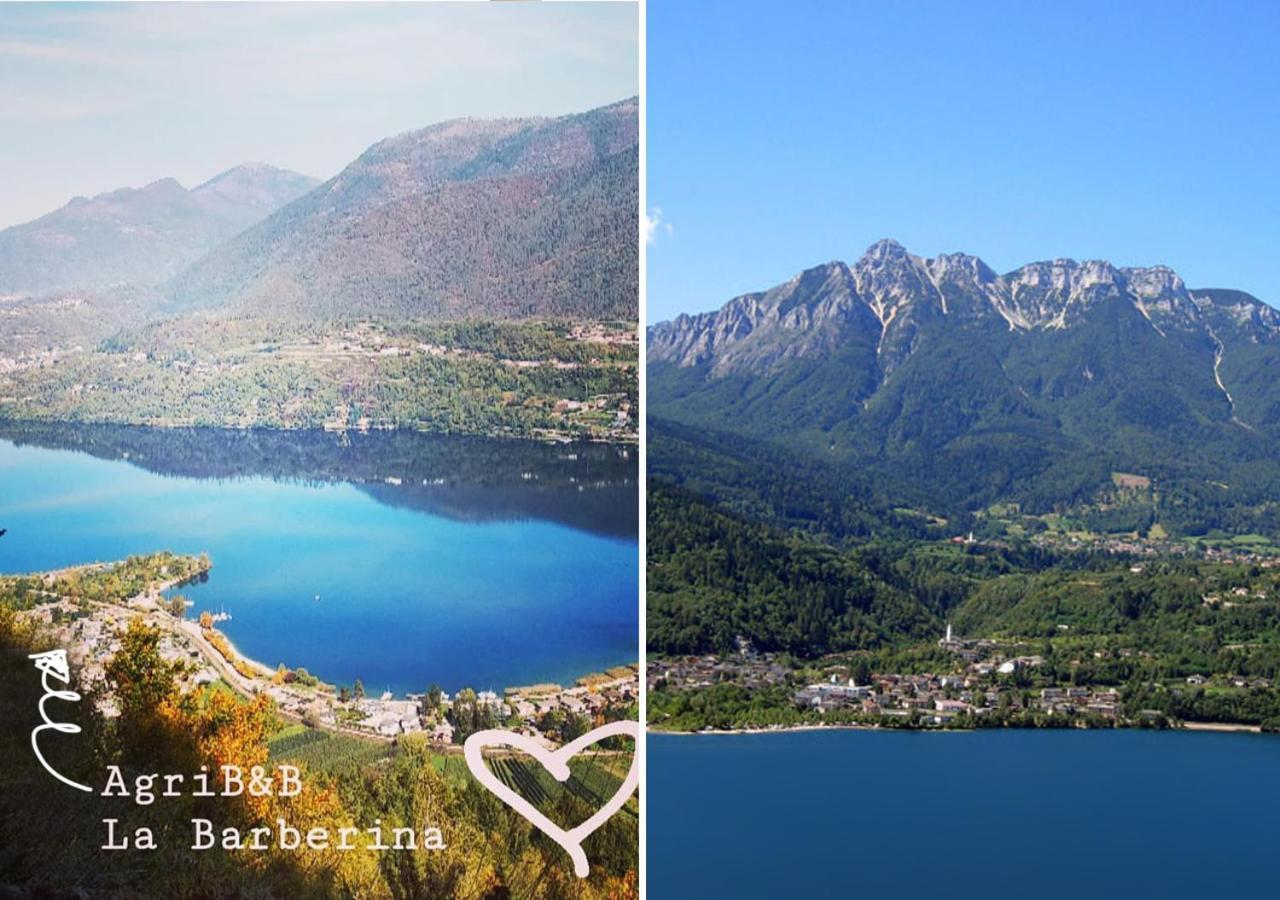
(99, 96)
(783, 135)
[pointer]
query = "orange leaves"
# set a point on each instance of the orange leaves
(223, 646)
(234, 732)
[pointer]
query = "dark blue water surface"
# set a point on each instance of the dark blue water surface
(397, 561)
(1045, 814)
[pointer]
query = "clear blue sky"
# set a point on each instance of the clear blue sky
(782, 135)
(99, 96)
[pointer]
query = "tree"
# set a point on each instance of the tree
(145, 686)
(358, 689)
(177, 606)
(575, 726)
(468, 715)
(552, 722)
(232, 732)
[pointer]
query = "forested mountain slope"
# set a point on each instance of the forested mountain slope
(504, 218)
(945, 383)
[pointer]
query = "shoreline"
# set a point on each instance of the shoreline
(295, 699)
(546, 437)
(266, 671)
(326, 687)
(1201, 727)
(246, 687)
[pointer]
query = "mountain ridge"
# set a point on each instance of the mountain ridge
(944, 381)
(888, 282)
(498, 217)
(139, 235)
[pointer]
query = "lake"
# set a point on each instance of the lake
(397, 558)
(1044, 814)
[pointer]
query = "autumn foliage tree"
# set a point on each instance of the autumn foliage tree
(153, 711)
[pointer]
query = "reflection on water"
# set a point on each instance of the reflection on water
(397, 558)
(588, 486)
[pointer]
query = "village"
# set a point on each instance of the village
(941, 699)
(746, 667)
(991, 681)
(1133, 545)
(1152, 548)
(535, 712)
(91, 633)
(989, 678)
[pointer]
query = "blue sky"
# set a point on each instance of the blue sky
(99, 96)
(781, 135)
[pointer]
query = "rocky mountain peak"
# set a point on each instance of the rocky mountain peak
(959, 267)
(1093, 272)
(892, 299)
(883, 249)
(1154, 281)
(163, 186)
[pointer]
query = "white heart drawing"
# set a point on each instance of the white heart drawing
(557, 763)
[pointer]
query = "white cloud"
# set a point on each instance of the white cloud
(655, 225)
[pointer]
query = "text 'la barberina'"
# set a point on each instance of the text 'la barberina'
(231, 781)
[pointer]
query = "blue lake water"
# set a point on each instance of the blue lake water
(379, 561)
(1045, 814)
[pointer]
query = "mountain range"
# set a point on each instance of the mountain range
(509, 218)
(140, 236)
(942, 382)
(504, 218)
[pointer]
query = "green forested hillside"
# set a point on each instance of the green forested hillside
(512, 378)
(775, 483)
(714, 577)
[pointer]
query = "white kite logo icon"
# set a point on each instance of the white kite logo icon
(54, 662)
(557, 763)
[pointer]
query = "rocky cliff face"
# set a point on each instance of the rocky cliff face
(889, 296)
